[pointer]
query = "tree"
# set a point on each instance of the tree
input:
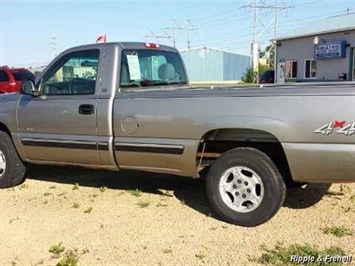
(268, 54)
(250, 75)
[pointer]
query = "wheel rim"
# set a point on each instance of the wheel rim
(2, 163)
(241, 189)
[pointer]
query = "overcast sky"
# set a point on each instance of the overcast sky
(26, 27)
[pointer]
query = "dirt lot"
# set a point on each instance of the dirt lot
(137, 218)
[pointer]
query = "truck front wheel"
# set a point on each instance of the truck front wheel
(244, 187)
(12, 169)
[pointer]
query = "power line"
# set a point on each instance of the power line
(158, 36)
(213, 17)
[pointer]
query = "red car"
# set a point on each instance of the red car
(11, 78)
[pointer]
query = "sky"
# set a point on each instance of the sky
(27, 27)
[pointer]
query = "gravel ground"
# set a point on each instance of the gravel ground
(168, 223)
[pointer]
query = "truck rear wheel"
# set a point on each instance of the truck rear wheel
(244, 187)
(12, 169)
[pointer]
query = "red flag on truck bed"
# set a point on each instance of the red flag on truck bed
(101, 38)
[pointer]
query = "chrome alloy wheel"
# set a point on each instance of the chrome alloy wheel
(241, 189)
(2, 163)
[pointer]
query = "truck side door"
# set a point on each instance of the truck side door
(60, 126)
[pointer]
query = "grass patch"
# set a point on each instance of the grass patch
(14, 261)
(71, 257)
(166, 193)
(200, 256)
(14, 219)
(143, 204)
(88, 210)
(345, 190)
(167, 251)
(102, 189)
(281, 255)
(56, 249)
(160, 204)
(338, 231)
(136, 193)
(23, 186)
(76, 205)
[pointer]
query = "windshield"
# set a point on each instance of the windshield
(147, 68)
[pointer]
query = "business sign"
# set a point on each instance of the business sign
(330, 50)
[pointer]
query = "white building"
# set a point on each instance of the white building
(320, 51)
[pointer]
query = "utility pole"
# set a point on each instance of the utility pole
(255, 43)
(54, 45)
(174, 27)
(276, 18)
(276, 24)
(189, 27)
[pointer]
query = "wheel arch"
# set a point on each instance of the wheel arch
(215, 142)
(4, 128)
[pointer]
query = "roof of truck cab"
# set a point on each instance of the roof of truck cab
(122, 45)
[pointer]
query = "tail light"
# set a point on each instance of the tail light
(151, 45)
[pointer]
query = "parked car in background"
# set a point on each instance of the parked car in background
(11, 78)
(267, 77)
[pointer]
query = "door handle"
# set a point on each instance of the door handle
(86, 109)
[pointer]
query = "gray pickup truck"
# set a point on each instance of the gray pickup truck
(129, 106)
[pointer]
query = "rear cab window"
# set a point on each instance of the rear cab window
(151, 68)
(21, 75)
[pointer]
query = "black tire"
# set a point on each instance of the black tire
(271, 187)
(14, 171)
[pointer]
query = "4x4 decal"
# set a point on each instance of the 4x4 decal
(340, 127)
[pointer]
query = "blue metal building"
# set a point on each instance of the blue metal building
(212, 65)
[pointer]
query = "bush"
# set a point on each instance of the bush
(250, 75)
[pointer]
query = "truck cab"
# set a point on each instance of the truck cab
(74, 109)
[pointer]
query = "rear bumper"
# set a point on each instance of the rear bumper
(321, 163)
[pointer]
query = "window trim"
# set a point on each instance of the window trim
(293, 61)
(304, 72)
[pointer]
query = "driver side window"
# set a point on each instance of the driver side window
(74, 74)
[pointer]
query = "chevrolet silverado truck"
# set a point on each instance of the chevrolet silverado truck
(119, 106)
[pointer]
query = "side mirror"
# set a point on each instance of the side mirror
(28, 88)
